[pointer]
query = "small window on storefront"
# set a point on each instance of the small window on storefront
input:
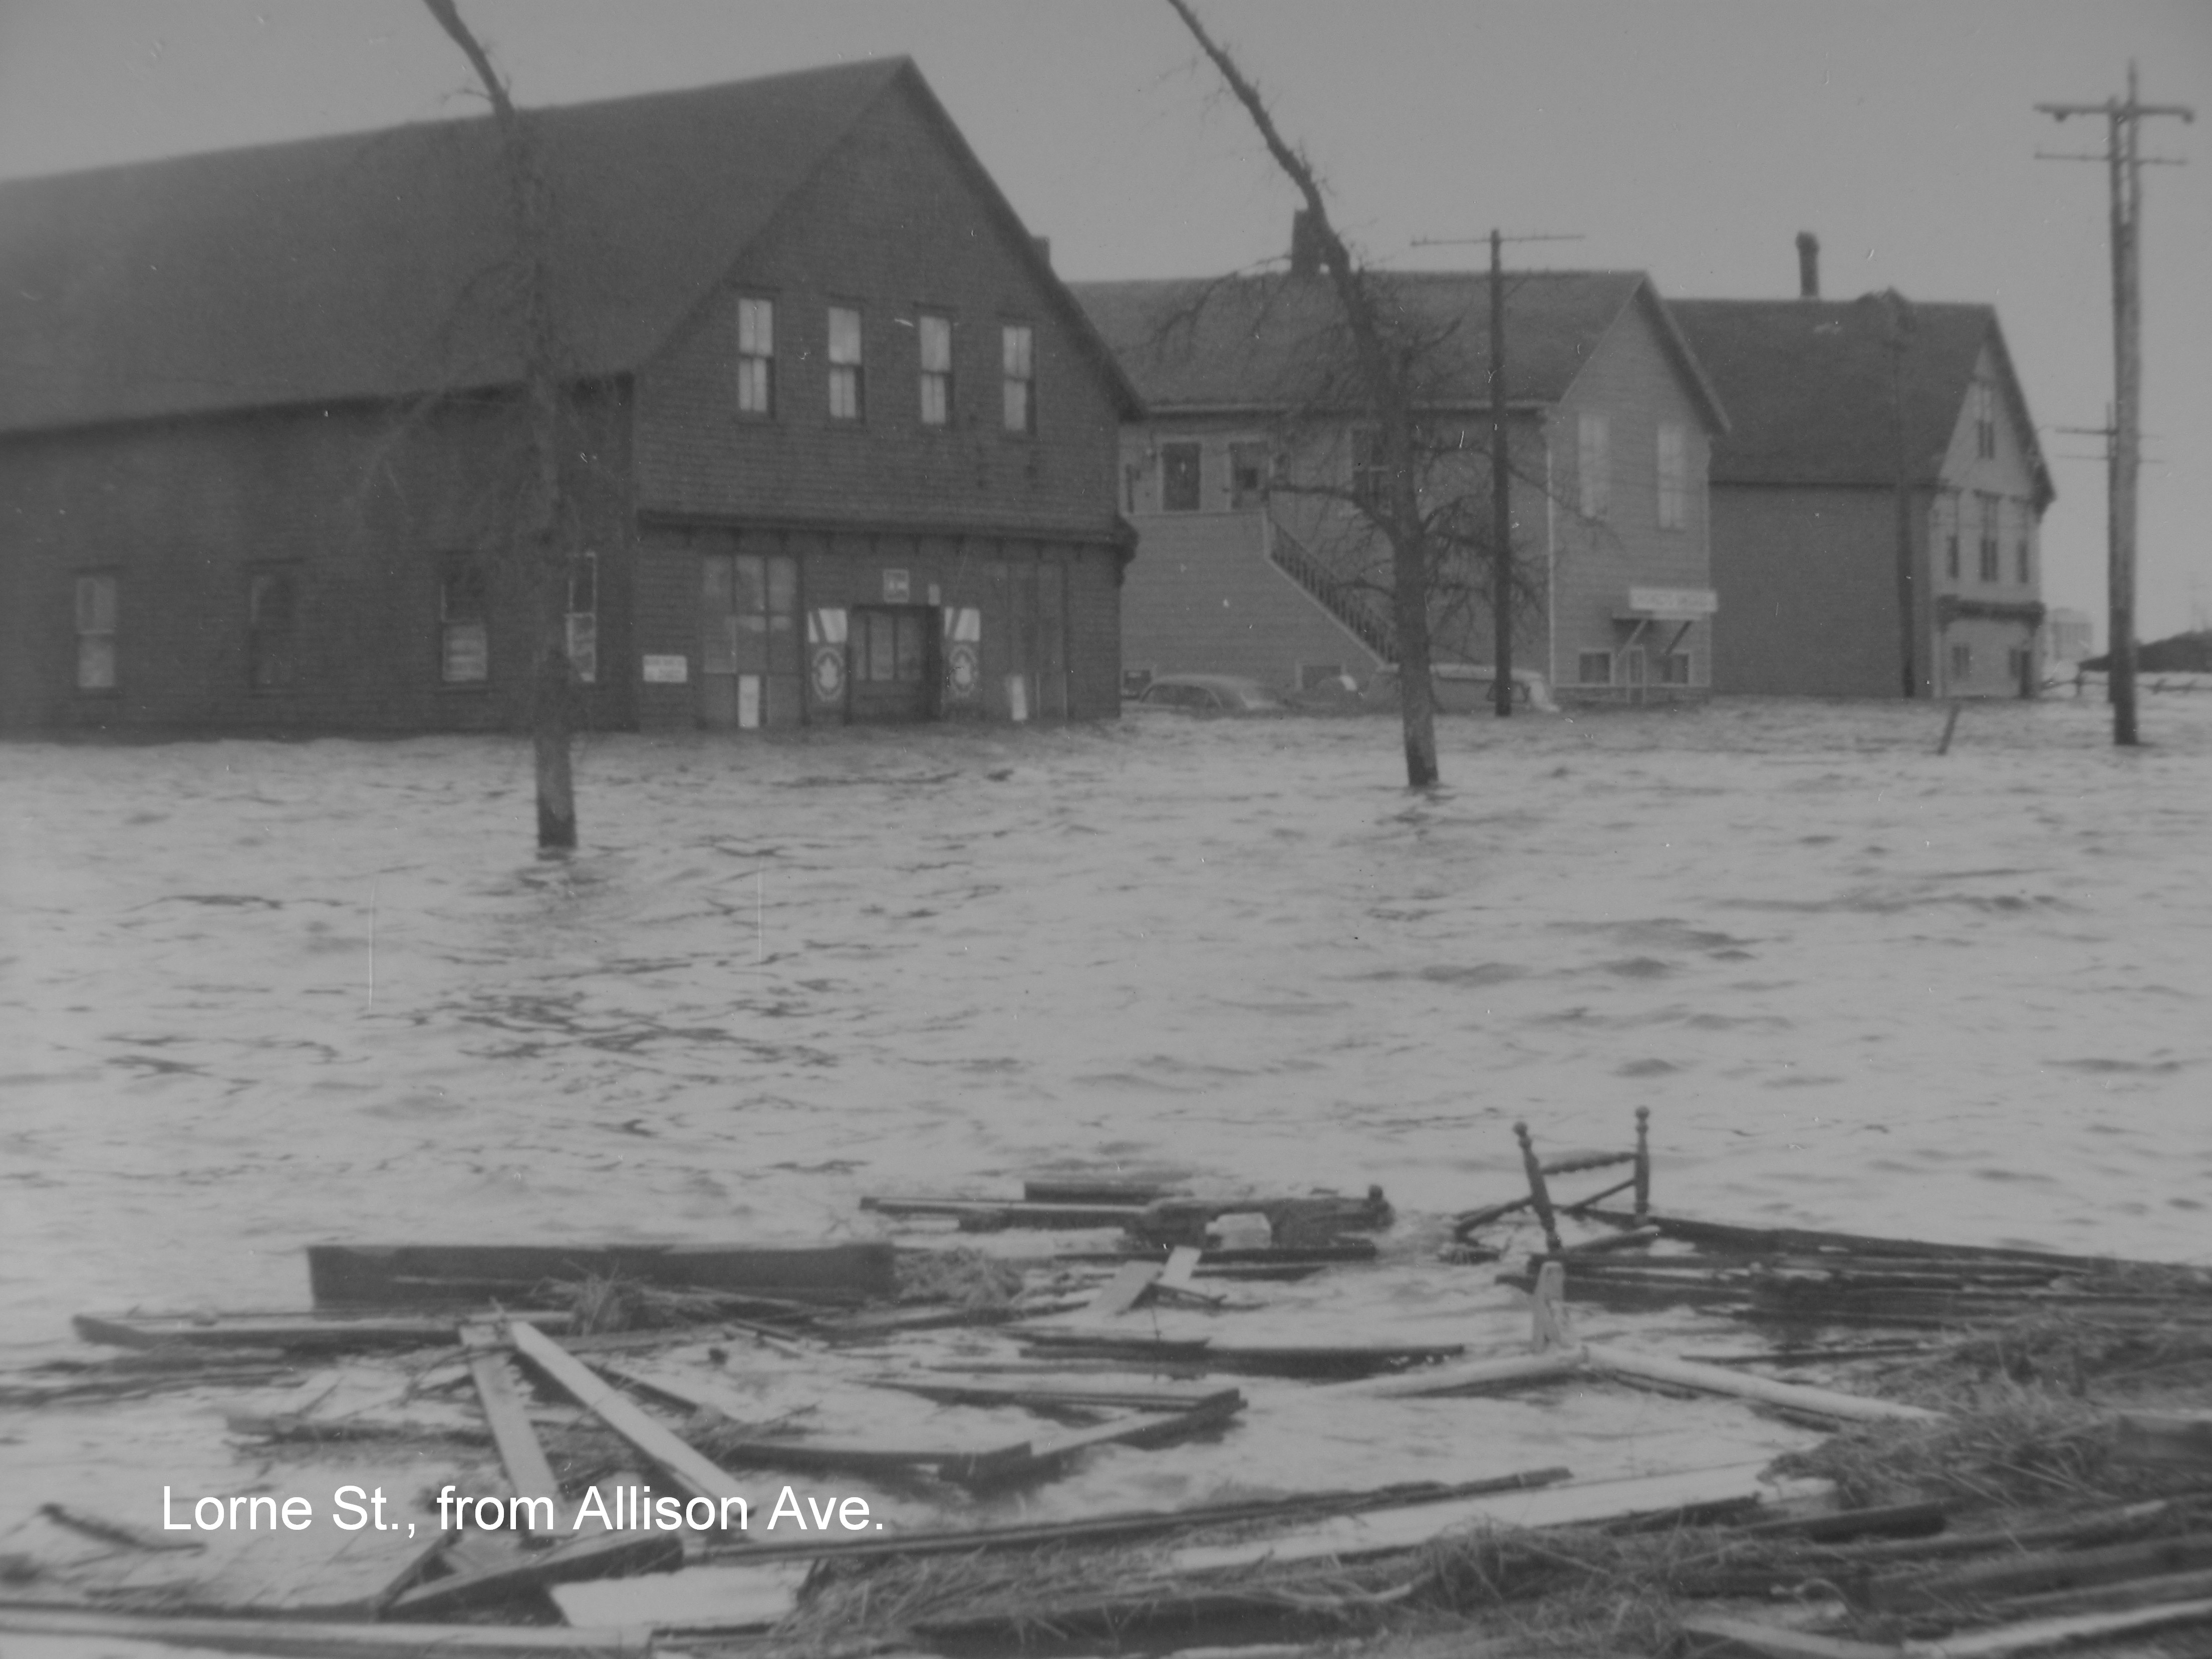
(888, 646)
(1962, 662)
(273, 608)
(584, 617)
(1595, 667)
(1674, 668)
(1248, 475)
(97, 599)
(1179, 477)
(464, 627)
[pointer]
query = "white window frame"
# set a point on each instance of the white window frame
(1593, 466)
(99, 603)
(1018, 377)
(848, 392)
(756, 357)
(456, 630)
(933, 341)
(1672, 444)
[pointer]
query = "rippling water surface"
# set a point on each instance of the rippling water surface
(257, 995)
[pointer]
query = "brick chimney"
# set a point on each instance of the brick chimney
(1305, 246)
(1808, 265)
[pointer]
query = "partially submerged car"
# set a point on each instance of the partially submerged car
(1211, 694)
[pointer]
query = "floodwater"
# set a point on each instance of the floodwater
(255, 994)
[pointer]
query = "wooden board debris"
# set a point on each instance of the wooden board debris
(1123, 1292)
(2182, 1438)
(1576, 1503)
(2040, 1635)
(300, 1639)
(420, 1275)
(690, 1469)
(988, 1213)
(2045, 1571)
(1468, 1377)
(579, 1557)
(528, 1470)
(1269, 1359)
(1714, 1379)
(699, 1599)
(292, 1332)
(1710, 1636)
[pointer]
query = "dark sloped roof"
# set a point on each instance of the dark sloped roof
(1808, 384)
(1260, 342)
(364, 265)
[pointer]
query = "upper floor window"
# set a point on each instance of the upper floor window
(97, 598)
(1179, 477)
(1985, 420)
(1370, 485)
(1673, 476)
(584, 617)
(2025, 565)
(463, 624)
(1017, 376)
(1947, 528)
(756, 357)
(1988, 568)
(272, 608)
(935, 336)
(1248, 475)
(1593, 466)
(847, 392)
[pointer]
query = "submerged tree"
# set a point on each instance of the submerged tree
(1411, 487)
(540, 541)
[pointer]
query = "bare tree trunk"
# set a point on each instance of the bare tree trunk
(1390, 401)
(539, 539)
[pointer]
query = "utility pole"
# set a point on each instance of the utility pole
(1902, 325)
(1501, 501)
(1501, 469)
(2125, 162)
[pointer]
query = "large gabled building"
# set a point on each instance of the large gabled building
(1837, 407)
(842, 445)
(1244, 569)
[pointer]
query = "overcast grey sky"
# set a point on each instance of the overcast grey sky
(1691, 140)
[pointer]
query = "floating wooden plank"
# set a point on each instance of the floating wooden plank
(524, 1459)
(2104, 1598)
(2182, 1438)
(1136, 1194)
(597, 1555)
(298, 1639)
(688, 1467)
(1046, 1454)
(2039, 1635)
(1785, 1240)
(1183, 1262)
(121, 1533)
(1573, 1504)
(988, 1213)
(1709, 1636)
(1264, 1359)
(294, 1333)
(700, 1600)
(1048, 1399)
(421, 1274)
(1885, 1520)
(1713, 1379)
(1123, 1292)
(2045, 1572)
(1301, 1506)
(1468, 1377)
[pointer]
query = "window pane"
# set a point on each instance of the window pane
(1017, 405)
(934, 400)
(467, 655)
(936, 344)
(1017, 345)
(844, 394)
(756, 386)
(584, 645)
(756, 328)
(748, 582)
(95, 662)
(717, 582)
(882, 662)
(908, 633)
(1179, 477)
(783, 585)
(95, 605)
(844, 335)
(462, 598)
(718, 645)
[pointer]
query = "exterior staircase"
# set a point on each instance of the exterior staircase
(1353, 605)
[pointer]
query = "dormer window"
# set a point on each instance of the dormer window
(847, 392)
(1985, 421)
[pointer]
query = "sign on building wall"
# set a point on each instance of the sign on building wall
(1673, 603)
(896, 587)
(667, 670)
(963, 648)
(825, 657)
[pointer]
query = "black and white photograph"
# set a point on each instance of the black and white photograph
(1005, 829)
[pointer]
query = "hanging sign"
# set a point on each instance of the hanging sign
(963, 653)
